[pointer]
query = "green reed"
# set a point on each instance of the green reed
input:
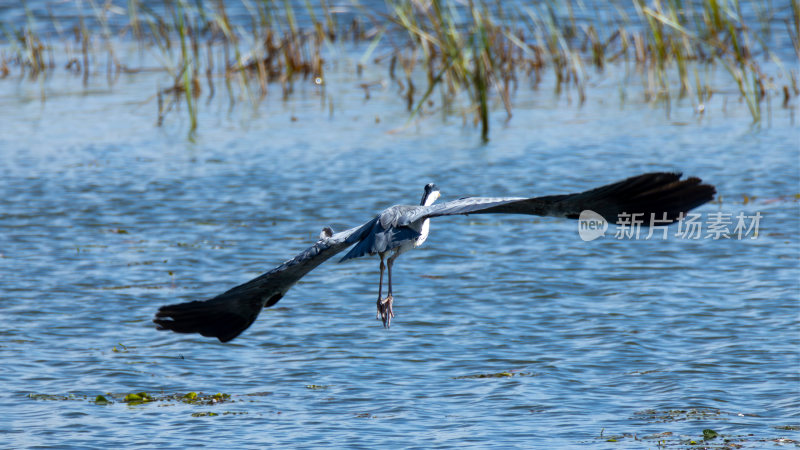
(471, 55)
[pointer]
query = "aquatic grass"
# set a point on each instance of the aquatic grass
(84, 38)
(719, 35)
(460, 53)
(471, 54)
(793, 26)
(189, 69)
(27, 46)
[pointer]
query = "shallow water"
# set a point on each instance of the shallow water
(510, 331)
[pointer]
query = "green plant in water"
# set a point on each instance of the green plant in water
(188, 72)
(458, 57)
(471, 53)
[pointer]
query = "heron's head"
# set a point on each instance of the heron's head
(326, 233)
(430, 195)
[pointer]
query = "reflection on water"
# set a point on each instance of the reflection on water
(509, 330)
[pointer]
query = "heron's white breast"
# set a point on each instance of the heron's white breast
(423, 233)
(426, 224)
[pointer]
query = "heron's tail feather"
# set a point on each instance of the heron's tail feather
(376, 239)
(223, 317)
(364, 238)
(365, 245)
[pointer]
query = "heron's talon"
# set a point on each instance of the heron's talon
(385, 310)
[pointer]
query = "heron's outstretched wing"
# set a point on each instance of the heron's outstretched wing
(228, 314)
(656, 193)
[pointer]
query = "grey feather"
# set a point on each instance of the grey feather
(386, 232)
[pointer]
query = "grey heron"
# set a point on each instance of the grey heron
(393, 231)
(402, 227)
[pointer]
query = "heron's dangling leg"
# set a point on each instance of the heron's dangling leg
(390, 264)
(380, 286)
(385, 308)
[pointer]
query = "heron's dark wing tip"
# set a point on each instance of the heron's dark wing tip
(660, 194)
(219, 318)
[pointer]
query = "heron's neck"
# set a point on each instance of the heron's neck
(428, 199)
(426, 224)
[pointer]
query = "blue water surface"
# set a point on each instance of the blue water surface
(510, 331)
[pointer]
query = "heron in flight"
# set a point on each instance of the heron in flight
(392, 230)
(660, 196)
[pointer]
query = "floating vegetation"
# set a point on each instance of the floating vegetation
(495, 375)
(457, 58)
(709, 434)
(138, 398)
(258, 394)
(707, 438)
(194, 398)
(213, 414)
(678, 415)
(121, 349)
(55, 397)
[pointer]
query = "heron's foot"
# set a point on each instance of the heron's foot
(385, 311)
